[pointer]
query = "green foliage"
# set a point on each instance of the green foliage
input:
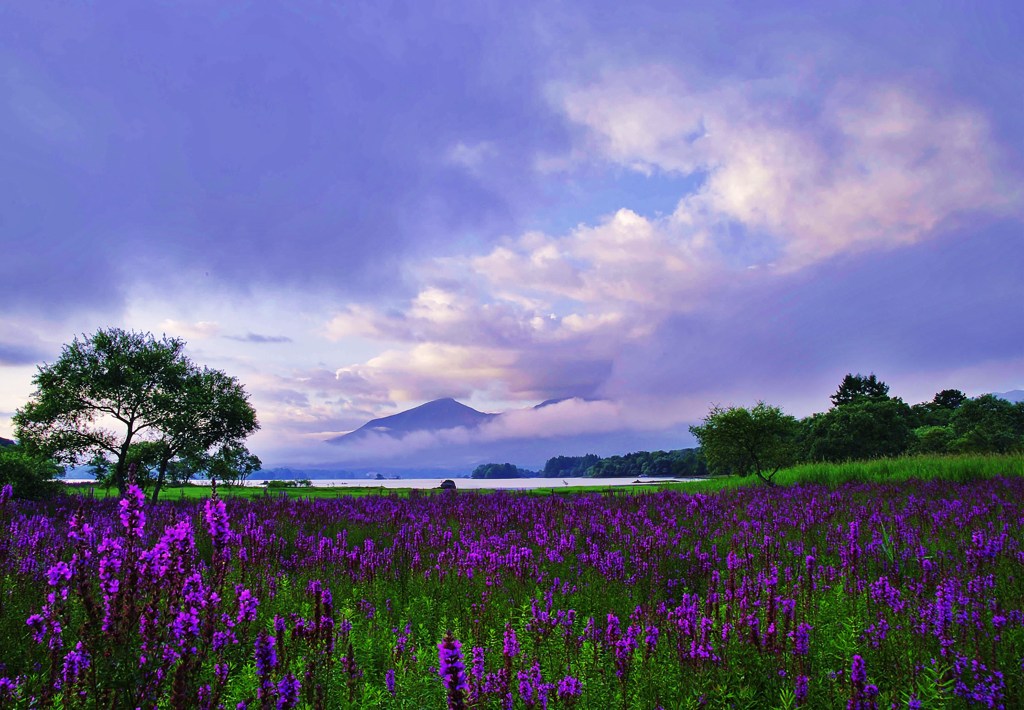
(939, 411)
(858, 388)
(931, 440)
(101, 394)
(569, 466)
(499, 470)
(29, 474)
(682, 463)
(862, 429)
(232, 464)
(120, 397)
(743, 441)
(988, 424)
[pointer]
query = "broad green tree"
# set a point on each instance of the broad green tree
(864, 429)
(116, 389)
(988, 424)
(232, 464)
(758, 441)
(210, 409)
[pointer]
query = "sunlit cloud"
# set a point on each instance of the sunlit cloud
(190, 331)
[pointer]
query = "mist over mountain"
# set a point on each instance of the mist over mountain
(447, 435)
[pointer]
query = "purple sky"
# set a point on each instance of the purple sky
(358, 207)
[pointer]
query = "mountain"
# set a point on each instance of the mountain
(1012, 395)
(6, 442)
(433, 416)
(446, 435)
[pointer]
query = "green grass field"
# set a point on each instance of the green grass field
(957, 468)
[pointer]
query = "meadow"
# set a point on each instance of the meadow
(856, 588)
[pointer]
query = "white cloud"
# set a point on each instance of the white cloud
(190, 331)
(471, 156)
(874, 165)
(787, 184)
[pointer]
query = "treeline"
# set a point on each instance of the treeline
(678, 463)
(863, 423)
(501, 470)
(681, 463)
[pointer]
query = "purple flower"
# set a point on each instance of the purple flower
(247, 605)
(288, 692)
(511, 642)
(389, 681)
(75, 662)
(216, 515)
(569, 687)
(478, 662)
(265, 654)
(452, 670)
(651, 639)
(5, 495)
(801, 639)
(858, 671)
(800, 689)
(132, 516)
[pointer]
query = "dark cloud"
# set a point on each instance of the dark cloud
(13, 354)
(946, 304)
(257, 338)
(315, 147)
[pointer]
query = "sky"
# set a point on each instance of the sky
(643, 208)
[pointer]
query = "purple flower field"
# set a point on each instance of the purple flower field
(862, 596)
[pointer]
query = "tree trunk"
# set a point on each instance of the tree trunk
(160, 477)
(122, 463)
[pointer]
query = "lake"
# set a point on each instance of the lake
(493, 483)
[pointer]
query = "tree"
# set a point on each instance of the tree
(209, 409)
(949, 399)
(116, 389)
(29, 474)
(931, 439)
(863, 429)
(938, 412)
(499, 470)
(233, 464)
(742, 441)
(988, 424)
(856, 388)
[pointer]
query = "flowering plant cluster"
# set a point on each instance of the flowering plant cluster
(861, 596)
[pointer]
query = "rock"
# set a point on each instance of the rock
(447, 485)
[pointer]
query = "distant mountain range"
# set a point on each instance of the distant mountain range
(1012, 395)
(437, 415)
(6, 442)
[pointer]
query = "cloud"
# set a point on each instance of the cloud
(200, 330)
(526, 427)
(615, 307)
(261, 339)
(16, 354)
(323, 167)
(869, 164)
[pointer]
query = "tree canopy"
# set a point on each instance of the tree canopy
(757, 441)
(857, 388)
(125, 395)
(29, 474)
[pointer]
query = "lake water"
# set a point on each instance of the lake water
(493, 483)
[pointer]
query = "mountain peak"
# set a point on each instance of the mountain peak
(436, 415)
